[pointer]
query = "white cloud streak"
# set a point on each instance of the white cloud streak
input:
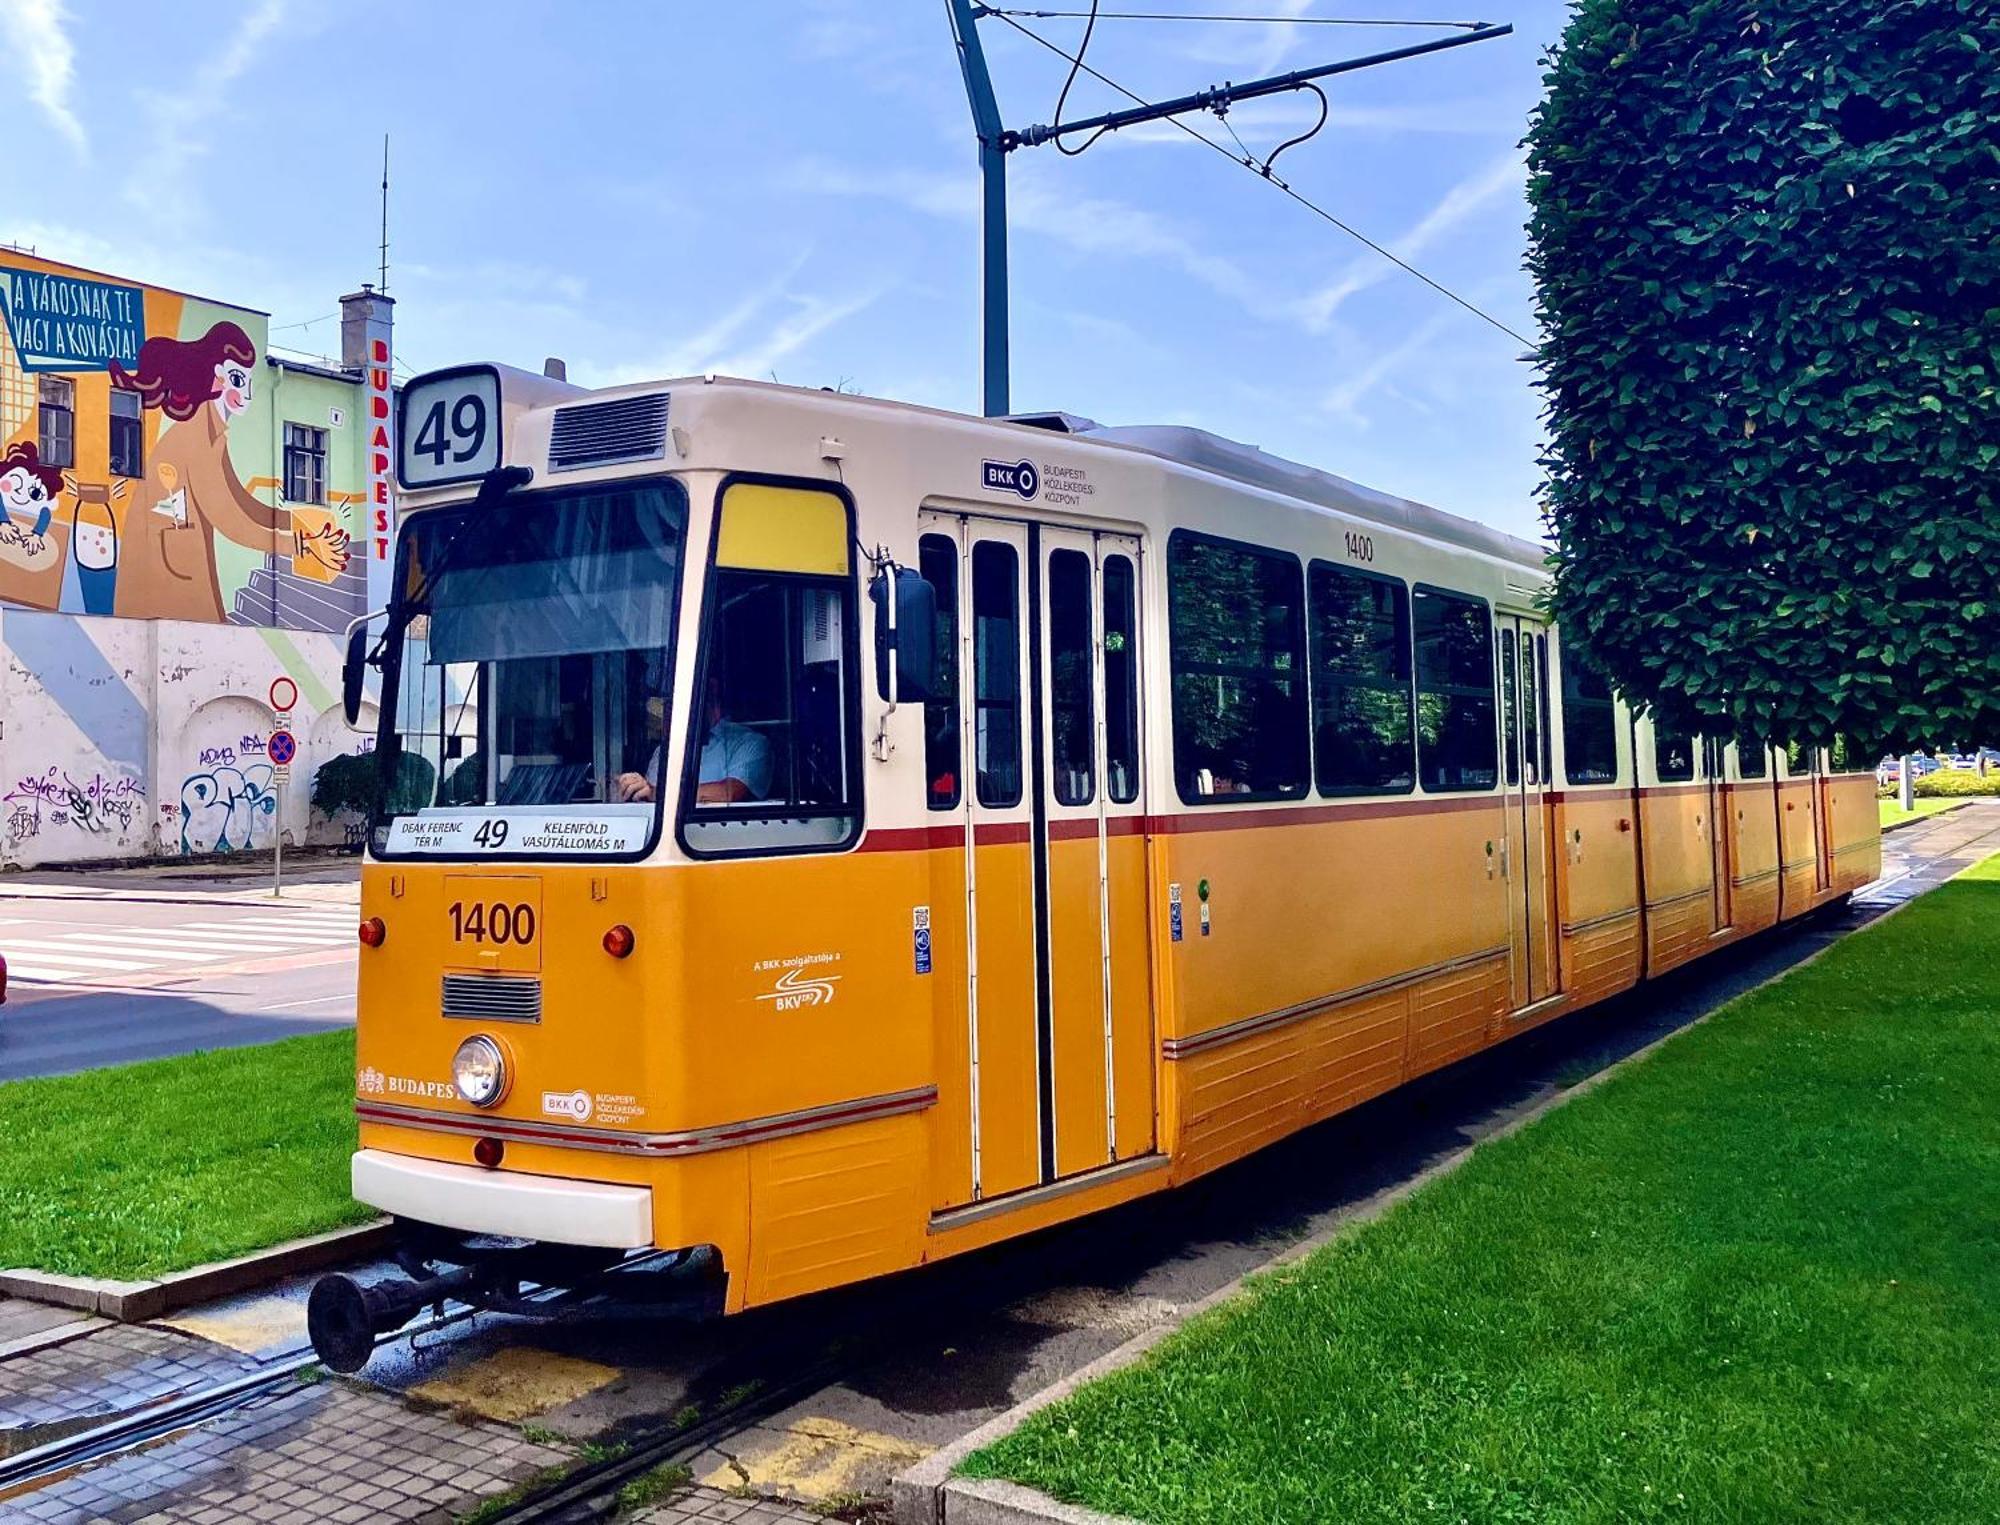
(181, 120)
(1507, 173)
(37, 35)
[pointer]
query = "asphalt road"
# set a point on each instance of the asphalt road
(115, 968)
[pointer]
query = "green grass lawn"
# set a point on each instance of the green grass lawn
(146, 1168)
(1754, 1277)
(1893, 813)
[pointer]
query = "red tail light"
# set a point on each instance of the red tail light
(489, 1152)
(619, 941)
(373, 932)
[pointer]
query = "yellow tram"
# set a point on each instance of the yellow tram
(837, 834)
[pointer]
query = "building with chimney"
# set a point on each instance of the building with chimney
(186, 518)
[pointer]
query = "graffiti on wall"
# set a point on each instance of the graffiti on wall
(123, 413)
(94, 805)
(222, 809)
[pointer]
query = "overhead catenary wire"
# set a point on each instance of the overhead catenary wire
(1038, 15)
(1262, 171)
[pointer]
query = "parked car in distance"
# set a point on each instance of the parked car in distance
(1962, 762)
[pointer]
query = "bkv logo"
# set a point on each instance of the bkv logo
(1023, 477)
(796, 988)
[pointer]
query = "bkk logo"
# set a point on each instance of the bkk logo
(575, 1105)
(1021, 477)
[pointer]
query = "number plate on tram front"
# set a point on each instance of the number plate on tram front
(493, 922)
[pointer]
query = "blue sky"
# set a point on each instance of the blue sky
(788, 187)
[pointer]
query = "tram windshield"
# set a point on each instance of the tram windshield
(527, 675)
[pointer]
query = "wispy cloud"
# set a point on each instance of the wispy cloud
(184, 121)
(37, 36)
(1344, 401)
(1087, 224)
(1502, 175)
(750, 336)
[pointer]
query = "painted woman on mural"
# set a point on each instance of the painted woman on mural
(191, 493)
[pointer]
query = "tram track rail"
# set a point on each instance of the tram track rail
(173, 1413)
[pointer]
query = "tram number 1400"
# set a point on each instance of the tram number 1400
(498, 921)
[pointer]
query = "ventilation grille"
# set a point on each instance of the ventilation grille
(493, 997)
(606, 433)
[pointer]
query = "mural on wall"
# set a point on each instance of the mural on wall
(190, 492)
(141, 469)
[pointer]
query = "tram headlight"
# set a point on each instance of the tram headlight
(479, 1071)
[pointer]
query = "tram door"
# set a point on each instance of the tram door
(1530, 861)
(1059, 1014)
(1822, 814)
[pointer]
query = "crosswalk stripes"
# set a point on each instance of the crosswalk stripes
(98, 953)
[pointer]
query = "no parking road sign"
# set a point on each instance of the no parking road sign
(281, 747)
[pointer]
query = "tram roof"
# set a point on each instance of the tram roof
(1259, 468)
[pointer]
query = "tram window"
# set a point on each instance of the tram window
(773, 761)
(1752, 757)
(1798, 759)
(1457, 740)
(530, 648)
(1237, 637)
(1361, 682)
(1510, 740)
(937, 564)
(1589, 720)
(996, 673)
(1535, 705)
(1673, 756)
(1072, 715)
(1121, 680)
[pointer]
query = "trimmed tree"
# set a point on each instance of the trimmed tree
(1766, 237)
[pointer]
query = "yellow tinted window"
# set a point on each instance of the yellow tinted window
(782, 529)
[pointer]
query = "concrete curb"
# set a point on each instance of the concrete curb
(929, 1494)
(133, 1302)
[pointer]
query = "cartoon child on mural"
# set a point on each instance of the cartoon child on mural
(165, 568)
(28, 492)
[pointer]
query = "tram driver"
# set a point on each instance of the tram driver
(735, 760)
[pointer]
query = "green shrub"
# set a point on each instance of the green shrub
(1948, 784)
(1766, 246)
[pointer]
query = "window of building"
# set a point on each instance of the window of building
(773, 759)
(1362, 737)
(1589, 722)
(1752, 757)
(996, 673)
(57, 422)
(305, 464)
(937, 563)
(1673, 756)
(1121, 680)
(128, 434)
(1457, 738)
(1237, 633)
(1072, 712)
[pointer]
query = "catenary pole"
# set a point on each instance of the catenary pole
(993, 206)
(996, 142)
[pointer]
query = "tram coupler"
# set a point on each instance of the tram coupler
(344, 1316)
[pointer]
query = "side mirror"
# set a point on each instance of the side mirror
(353, 671)
(915, 635)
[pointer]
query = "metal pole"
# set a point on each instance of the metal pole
(1906, 794)
(993, 206)
(278, 848)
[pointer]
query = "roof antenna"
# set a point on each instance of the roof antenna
(382, 284)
